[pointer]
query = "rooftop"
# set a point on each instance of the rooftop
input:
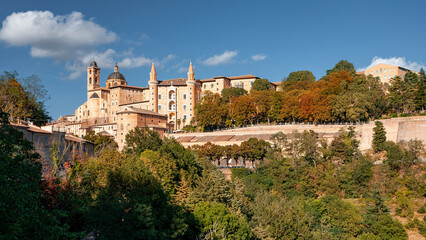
(141, 111)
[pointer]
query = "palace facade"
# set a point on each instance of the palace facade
(386, 71)
(162, 106)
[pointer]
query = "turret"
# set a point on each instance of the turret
(191, 85)
(191, 72)
(153, 89)
(93, 76)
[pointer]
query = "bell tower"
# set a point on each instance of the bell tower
(93, 76)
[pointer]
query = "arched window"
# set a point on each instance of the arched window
(115, 84)
(172, 106)
(172, 95)
(90, 80)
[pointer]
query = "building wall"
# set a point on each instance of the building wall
(127, 121)
(385, 72)
(182, 99)
(247, 82)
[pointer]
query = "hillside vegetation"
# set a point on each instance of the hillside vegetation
(157, 189)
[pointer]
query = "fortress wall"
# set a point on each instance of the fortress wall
(396, 129)
(412, 130)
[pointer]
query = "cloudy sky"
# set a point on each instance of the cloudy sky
(56, 40)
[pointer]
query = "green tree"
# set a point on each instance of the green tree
(22, 213)
(402, 155)
(254, 149)
(261, 85)
(210, 103)
(101, 142)
(299, 80)
(228, 93)
(276, 104)
(420, 95)
(279, 141)
(217, 222)
(20, 102)
(396, 94)
(212, 187)
(277, 218)
(342, 65)
(364, 99)
(133, 206)
(378, 222)
(140, 139)
(379, 137)
(344, 147)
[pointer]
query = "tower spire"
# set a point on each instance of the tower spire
(116, 68)
(153, 73)
(153, 67)
(190, 71)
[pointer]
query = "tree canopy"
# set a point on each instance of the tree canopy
(261, 85)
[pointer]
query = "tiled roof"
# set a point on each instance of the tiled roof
(105, 133)
(30, 128)
(127, 86)
(76, 139)
(176, 82)
(242, 77)
(124, 104)
(208, 80)
(97, 89)
(156, 126)
(142, 111)
(38, 130)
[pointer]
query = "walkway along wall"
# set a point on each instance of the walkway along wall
(397, 129)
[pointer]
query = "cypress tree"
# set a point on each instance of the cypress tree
(379, 137)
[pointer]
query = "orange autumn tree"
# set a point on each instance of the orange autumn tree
(242, 110)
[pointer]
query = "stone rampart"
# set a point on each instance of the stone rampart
(396, 129)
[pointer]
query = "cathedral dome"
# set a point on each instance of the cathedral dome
(116, 74)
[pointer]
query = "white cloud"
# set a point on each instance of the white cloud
(223, 58)
(70, 39)
(397, 61)
(258, 57)
(79, 65)
(61, 37)
(131, 62)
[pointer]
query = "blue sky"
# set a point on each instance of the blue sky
(56, 39)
